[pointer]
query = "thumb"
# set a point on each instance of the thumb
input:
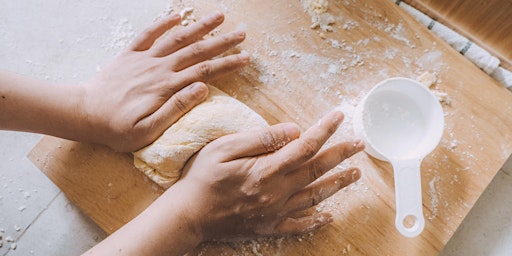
(175, 107)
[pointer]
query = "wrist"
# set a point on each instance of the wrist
(188, 217)
(167, 226)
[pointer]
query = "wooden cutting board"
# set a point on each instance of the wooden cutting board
(299, 74)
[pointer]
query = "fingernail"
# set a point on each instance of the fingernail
(358, 145)
(240, 34)
(199, 90)
(324, 218)
(356, 175)
(292, 131)
(217, 16)
(244, 56)
(329, 219)
(338, 116)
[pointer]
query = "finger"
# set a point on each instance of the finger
(187, 35)
(323, 162)
(174, 108)
(211, 69)
(148, 37)
(322, 189)
(247, 144)
(306, 147)
(292, 226)
(204, 50)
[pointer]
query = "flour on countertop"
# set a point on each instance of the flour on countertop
(187, 16)
(433, 193)
(429, 80)
(122, 34)
(317, 9)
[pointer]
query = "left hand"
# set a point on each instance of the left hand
(155, 81)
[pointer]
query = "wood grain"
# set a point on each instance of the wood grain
(104, 184)
(488, 23)
(299, 74)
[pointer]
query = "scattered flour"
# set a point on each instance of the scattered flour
(350, 25)
(434, 197)
(187, 16)
(122, 33)
(317, 9)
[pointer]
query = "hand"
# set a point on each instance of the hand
(255, 184)
(242, 186)
(157, 80)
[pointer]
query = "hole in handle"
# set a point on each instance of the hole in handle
(410, 222)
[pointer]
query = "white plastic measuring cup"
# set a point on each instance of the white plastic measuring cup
(401, 121)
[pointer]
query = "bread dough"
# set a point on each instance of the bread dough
(219, 115)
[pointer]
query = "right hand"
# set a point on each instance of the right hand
(253, 184)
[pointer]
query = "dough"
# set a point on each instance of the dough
(319, 16)
(219, 115)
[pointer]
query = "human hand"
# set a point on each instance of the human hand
(253, 184)
(155, 81)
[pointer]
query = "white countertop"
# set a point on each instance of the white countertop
(68, 41)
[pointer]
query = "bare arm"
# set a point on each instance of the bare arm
(39, 106)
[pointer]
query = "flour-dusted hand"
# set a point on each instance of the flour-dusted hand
(254, 184)
(156, 80)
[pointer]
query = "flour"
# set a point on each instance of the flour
(256, 248)
(397, 32)
(187, 16)
(122, 33)
(317, 9)
(167, 10)
(350, 25)
(433, 196)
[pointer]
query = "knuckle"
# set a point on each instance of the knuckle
(268, 141)
(204, 70)
(315, 170)
(179, 38)
(197, 50)
(315, 197)
(180, 103)
(309, 148)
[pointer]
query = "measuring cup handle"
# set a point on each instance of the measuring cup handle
(409, 210)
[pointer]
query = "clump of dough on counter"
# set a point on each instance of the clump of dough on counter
(219, 115)
(429, 79)
(317, 9)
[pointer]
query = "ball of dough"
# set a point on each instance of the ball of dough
(218, 115)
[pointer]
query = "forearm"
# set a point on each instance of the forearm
(164, 228)
(39, 106)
